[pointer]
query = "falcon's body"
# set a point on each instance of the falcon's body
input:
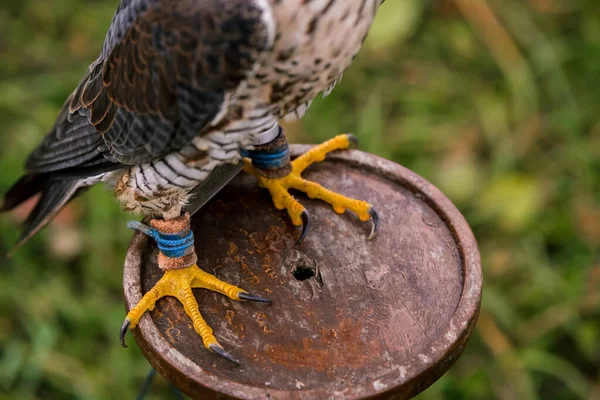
(310, 44)
(181, 87)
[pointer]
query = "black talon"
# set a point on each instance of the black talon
(253, 297)
(353, 141)
(375, 222)
(124, 328)
(305, 226)
(218, 349)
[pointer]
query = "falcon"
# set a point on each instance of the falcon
(185, 94)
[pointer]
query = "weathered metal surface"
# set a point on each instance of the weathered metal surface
(390, 317)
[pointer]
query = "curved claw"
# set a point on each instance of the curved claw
(375, 222)
(252, 297)
(353, 141)
(305, 226)
(124, 328)
(218, 349)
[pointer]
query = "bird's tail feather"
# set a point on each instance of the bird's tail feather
(54, 196)
(23, 190)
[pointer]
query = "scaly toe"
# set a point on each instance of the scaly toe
(374, 222)
(123, 332)
(218, 349)
(339, 209)
(252, 297)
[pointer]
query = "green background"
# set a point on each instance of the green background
(496, 102)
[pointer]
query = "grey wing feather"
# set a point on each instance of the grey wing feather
(73, 143)
(166, 69)
(161, 79)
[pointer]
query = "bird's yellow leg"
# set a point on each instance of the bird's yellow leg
(319, 152)
(179, 283)
(279, 187)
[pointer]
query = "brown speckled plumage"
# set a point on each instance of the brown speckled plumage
(180, 87)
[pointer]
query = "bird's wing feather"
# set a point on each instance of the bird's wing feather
(72, 143)
(162, 78)
(167, 77)
(164, 74)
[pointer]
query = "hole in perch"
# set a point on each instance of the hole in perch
(303, 272)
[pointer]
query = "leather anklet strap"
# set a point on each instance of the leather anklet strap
(175, 241)
(272, 160)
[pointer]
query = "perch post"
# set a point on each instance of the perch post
(386, 319)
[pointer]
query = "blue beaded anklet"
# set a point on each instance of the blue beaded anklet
(270, 156)
(171, 245)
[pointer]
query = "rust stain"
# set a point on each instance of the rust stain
(229, 316)
(232, 249)
(262, 322)
(219, 266)
(172, 334)
(252, 277)
(237, 328)
(254, 240)
(342, 343)
(270, 272)
(276, 235)
(273, 234)
(334, 334)
(156, 312)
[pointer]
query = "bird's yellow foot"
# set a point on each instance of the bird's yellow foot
(179, 283)
(278, 187)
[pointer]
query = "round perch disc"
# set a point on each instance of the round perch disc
(350, 318)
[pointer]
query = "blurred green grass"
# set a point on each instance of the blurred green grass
(494, 101)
